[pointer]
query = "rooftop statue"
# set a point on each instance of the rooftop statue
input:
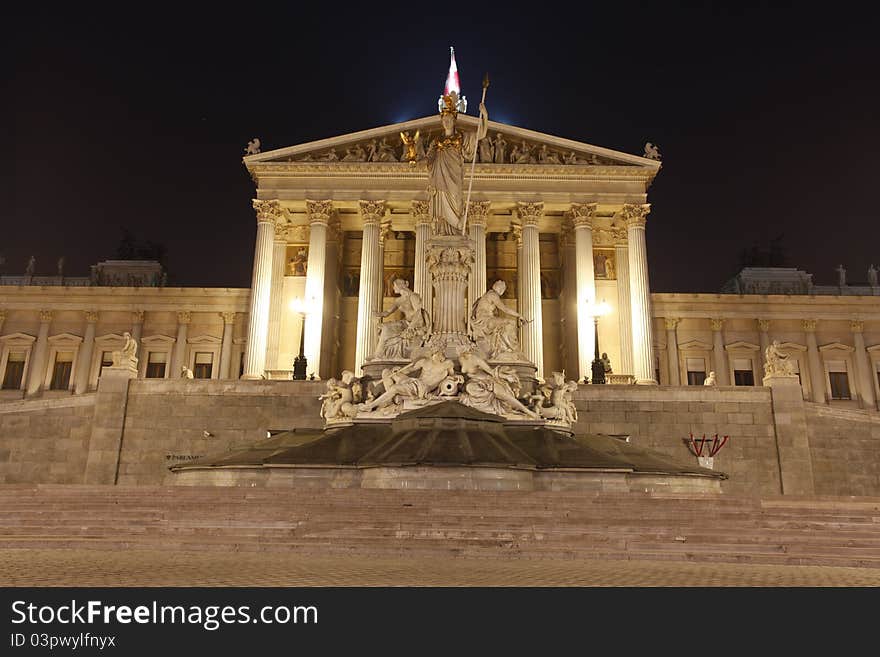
(494, 326)
(651, 152)
(253, 147)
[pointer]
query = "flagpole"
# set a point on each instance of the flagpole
(474, 162)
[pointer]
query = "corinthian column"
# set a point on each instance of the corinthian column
(817, 372)
(621, 259)
(384, 232)
(226, 345)
(183, 319)
(530, 282)
(273, 340)
(422, 278)
(478, 215)
(722, 374)
(84, 364)
(866, 378)
(372, 213)
(640, 299)
(319, 213)
(37, 365)
(582, 220)
(269, 214)
(764, 331)
(137, 330)
(672, 350)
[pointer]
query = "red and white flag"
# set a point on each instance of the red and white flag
(452, 77)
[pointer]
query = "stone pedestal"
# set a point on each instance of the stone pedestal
(792, 438)
(450, 258)
(108, 421)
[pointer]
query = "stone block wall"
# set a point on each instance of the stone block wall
(45, 441)
(845, 450)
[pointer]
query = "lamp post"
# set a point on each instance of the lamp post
(300, 364)
(597, 310)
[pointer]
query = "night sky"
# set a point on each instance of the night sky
(767, 119)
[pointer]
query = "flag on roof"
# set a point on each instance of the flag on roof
(452, 78)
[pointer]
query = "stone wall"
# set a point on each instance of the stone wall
(661, 417)
(45, 441)
(845, 450)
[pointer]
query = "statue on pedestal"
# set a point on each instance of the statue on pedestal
(710, 380)
(399, 386)
(491, 389)
(557, 394)
(494, 326)
(872, 276)
(398, 338)
(776, 362)
(339, 402)
(127, 356)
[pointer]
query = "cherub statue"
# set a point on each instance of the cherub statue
(651, 152)
(710, 380)
(557, 394)
(776, 361)
(397, 338)
(491, 389)
(494, 326)
(253, 147)
(185, 372)
(340, 400)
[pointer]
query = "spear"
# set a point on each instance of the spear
(474, 162)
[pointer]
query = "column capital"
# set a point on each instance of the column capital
(46, 315)
(319, 212)
(91, 316)
(228, 317)
(421, 213)
(635, 215)
(717, 323)
(478, 212)
(372, 212)
(857, 326)
(671, 323)
(582, 214)
(184, 317)
(809, 325)
(529, 213)
(268, 211)
(763, 325)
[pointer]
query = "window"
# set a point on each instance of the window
(837, 377)
(203, 365)
(696, 369)
(743, 375)
(61, 371)
(156, 364)
(14, 370)
(106, 361)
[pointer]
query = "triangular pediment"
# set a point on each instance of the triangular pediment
(517, 146)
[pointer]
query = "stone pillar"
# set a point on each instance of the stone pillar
(273, 339)
(319, 213)
(84, 358)
(226, 345)
(640, 294)
(478, 216)
(137, 331)
(817, 371)
(269, 214)
(568, 298)
(530, 277)
(2, 319)
(792, 437)
(582, 219)
(422, 278)
(863, 364)
(108, 422)
(384, 231)
(516, 231)
(719, 355)
(183, 319)
(372, 213)
(37, 365)
(764, 333)
(624, 310)
(450, 260)
(672, 350)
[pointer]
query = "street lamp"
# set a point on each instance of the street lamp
(597, 310)
(299, 363)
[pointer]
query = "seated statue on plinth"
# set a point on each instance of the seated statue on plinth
(398, 338)
(776, 362)
(400, 386)
(491, 389)
(494, 326)
(127, 356)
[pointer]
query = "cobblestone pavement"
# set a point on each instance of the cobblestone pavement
(156, 568)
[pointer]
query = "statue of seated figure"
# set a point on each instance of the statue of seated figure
(398, 338)
(494, 326)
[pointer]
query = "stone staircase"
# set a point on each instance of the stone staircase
(838, 531)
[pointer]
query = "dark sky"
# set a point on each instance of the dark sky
(767, 118)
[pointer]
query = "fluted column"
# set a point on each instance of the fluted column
(624, 320)
(722, 374)
(672, 350)
(84, 358)
(183, 319)
(516, 231)
(273, 339)
(37, 365)
(530, 276)
(764, 336)
(384, 232)
(640, 299)
(226, 345)
(863, 364)
(269, 214)
(478, 216)
(582, 220)
(817, 371)
(319, 213)
(137, 330)
(422, 278)
(372, 213)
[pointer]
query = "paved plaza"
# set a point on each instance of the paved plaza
(156, 568)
